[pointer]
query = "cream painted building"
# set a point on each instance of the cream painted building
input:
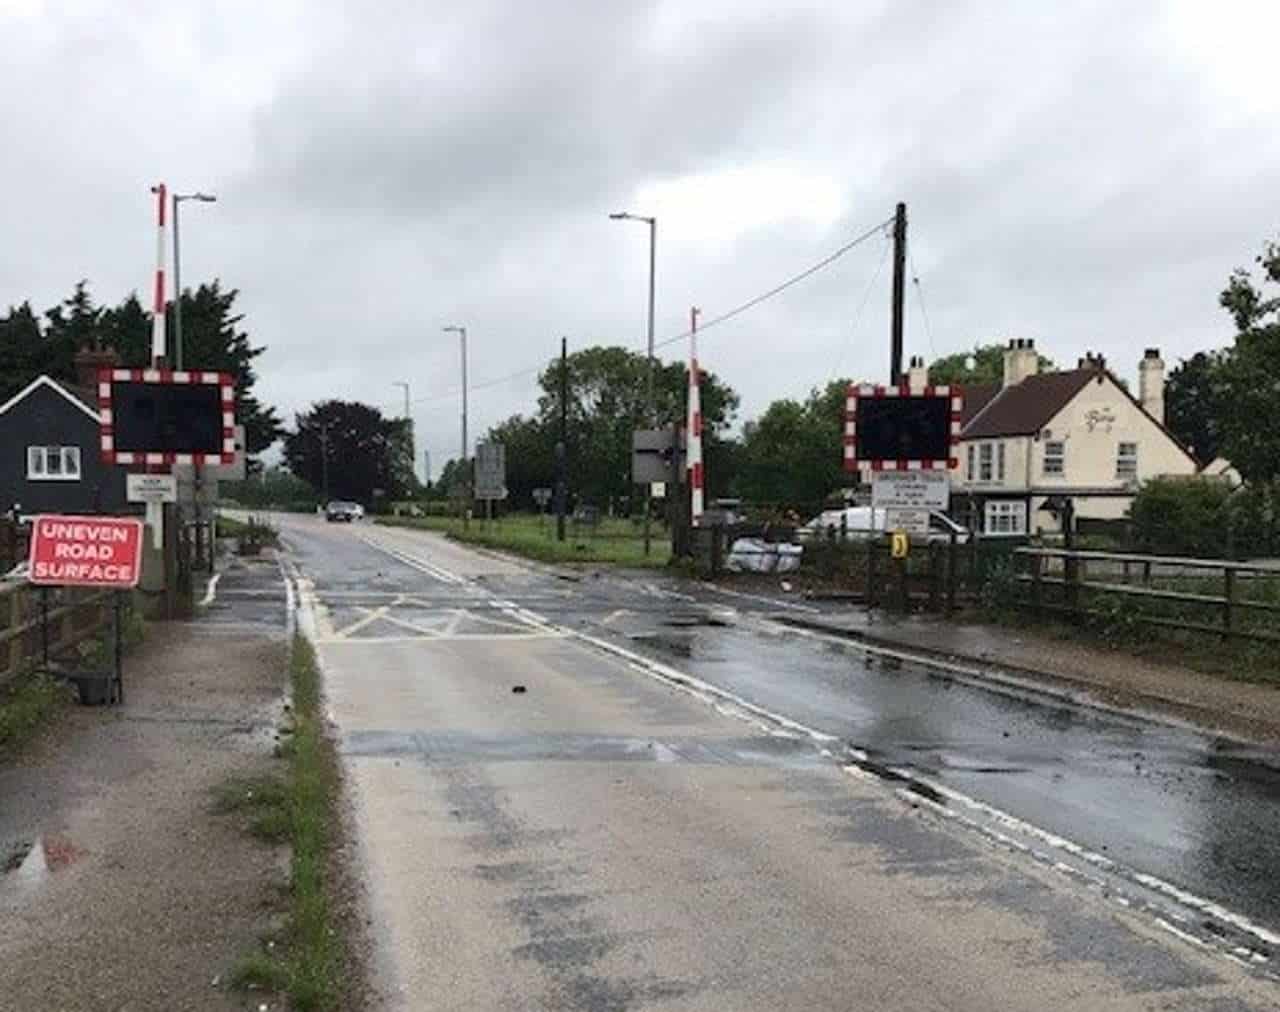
(1077, 433)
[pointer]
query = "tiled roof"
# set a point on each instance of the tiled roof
(1027, 407)
(976, 397)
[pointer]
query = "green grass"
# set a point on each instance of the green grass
(258, 971)
(26, 705)
(614, 541)
(298, 809)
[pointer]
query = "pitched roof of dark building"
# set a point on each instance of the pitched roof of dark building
(1027, 407)
(85, 400)
(976, 397)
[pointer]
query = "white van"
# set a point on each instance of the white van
(862, 522)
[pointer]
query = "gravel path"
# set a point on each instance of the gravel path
(132, 894)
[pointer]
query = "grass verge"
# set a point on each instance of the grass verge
(26, 704)
(613, 542)
(299, 809)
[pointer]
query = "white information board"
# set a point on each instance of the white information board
(911, 490)
(151, 487)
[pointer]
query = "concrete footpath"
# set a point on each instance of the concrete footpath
(1243, 709)
(119, 888)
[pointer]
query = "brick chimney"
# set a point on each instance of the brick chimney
(917, 374)
(1151, 384)
(88, 361)
(1020, 360)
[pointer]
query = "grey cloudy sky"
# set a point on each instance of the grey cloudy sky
(1084, 174)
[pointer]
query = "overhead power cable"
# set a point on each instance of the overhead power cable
(703, 326)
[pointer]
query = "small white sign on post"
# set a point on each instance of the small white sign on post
(911, 490)
(151, 488)
(658, 489)
(912, 521)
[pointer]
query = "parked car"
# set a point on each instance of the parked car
(339, 511)
(858, 523)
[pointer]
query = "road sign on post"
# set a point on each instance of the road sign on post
(491, 471)
(151, 487)
(653, 453)
(74, 551)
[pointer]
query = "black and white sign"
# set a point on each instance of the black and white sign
(910, 490)
(151, 487)
(913, 521)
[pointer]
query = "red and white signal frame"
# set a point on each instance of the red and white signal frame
(856, 392)
(225, 381)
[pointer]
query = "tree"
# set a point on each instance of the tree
(792, 455)
(1250, 372)
(1193, 403)
(360, 447)
(988, 366)
(21, 350)
(607, 400)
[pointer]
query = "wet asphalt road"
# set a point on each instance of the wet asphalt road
(598, 786)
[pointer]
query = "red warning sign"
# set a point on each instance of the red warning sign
(85, 551)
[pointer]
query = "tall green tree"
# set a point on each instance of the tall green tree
(1250, 373)
(607, 400)
(22, 349)
(361, 449)
(987, 365)
(792, 455)
(212, 332)
(1193, 403)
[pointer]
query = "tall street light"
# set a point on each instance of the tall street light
(408, 421)
(653, 245)
(466, 467)
(178, 198)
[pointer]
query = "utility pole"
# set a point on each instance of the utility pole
(179, 360)
(562, 447)
(899, 285)
(408, 423)
(466, 462)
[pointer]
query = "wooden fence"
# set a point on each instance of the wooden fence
(1226, 599)
(38, 623)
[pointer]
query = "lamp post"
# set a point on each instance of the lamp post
(466, 461)
(652, 222)
(178, 198)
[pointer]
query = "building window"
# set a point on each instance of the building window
(970, 453)
(984, 462)
(1055, 456)
(1127, 461)
(1006, 517)
(1000, 461)
(53, 463)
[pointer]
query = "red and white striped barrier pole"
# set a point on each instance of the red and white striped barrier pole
(158, 344)
(695, 424)
(155, 510)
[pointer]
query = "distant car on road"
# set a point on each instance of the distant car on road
(339, 511)
(858, 523)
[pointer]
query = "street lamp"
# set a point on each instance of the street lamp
(653, 244)
(466, 469)
(178, 198)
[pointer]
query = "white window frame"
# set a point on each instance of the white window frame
(1000, 461)
(67, 467)
(986, 464)
(1004, 517)
(1055, 460)
(1127, 463)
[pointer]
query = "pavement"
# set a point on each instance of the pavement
(615, 793)
(119, 889)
